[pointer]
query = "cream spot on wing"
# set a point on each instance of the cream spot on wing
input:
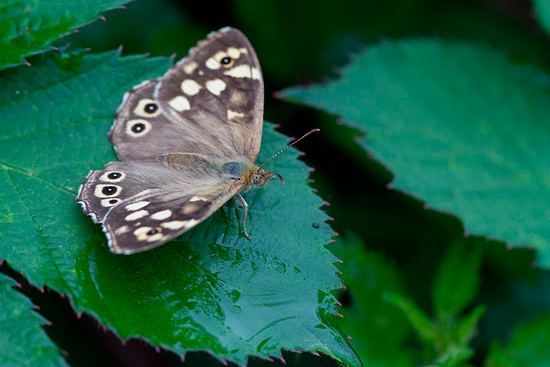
(190, 87)
(162, 214)
(232, 114)
(190, 67)
(179, 224)
(137, 127)
(180, 103)
(138, 205)
(112, 176)
(144, 192)
(237, 97)
(233, 52)
(240, 71)
(215, 86)
(107, 191)
(140, 109)
(122, 230)
(256, 74)
(155, 237)
(212, 64)
(136, 215)
(106, 203)
(141, 233)
(243, 50)
(197, 198)
(190, 208)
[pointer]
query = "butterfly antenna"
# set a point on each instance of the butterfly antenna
(294, 142)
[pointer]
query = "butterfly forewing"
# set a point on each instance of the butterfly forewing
(141, 131)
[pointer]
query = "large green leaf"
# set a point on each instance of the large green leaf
(212, 289)
(23, 341)
(28, 27)
(461, 127)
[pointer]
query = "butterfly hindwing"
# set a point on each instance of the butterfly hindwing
(147, 221)
(127, 196)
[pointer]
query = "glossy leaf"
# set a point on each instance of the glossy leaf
(24, 342)
(211, 289)
(461, 126)
(28, 27)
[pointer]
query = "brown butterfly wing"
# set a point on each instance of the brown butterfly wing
(210, 102)
(143, 205)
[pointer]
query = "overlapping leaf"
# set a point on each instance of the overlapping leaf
(24, 342)
(460, 125)
(212, 289)
(28, 27)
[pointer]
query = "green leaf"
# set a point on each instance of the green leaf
(542, 8)
(528, 346)
(23, 341)
(418, 318)
(27, 27)
(211, 289)
(457, 280)
(446, 338)
(461, 126)
(379, 332)
(467, 325)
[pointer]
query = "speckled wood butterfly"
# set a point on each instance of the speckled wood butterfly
(187, 143)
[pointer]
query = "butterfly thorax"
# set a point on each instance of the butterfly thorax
(248, 173)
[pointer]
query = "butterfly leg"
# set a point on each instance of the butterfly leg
(245, 205)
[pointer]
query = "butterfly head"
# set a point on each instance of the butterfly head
(262, 176)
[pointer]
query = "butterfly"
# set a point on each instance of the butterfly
(187, 143)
